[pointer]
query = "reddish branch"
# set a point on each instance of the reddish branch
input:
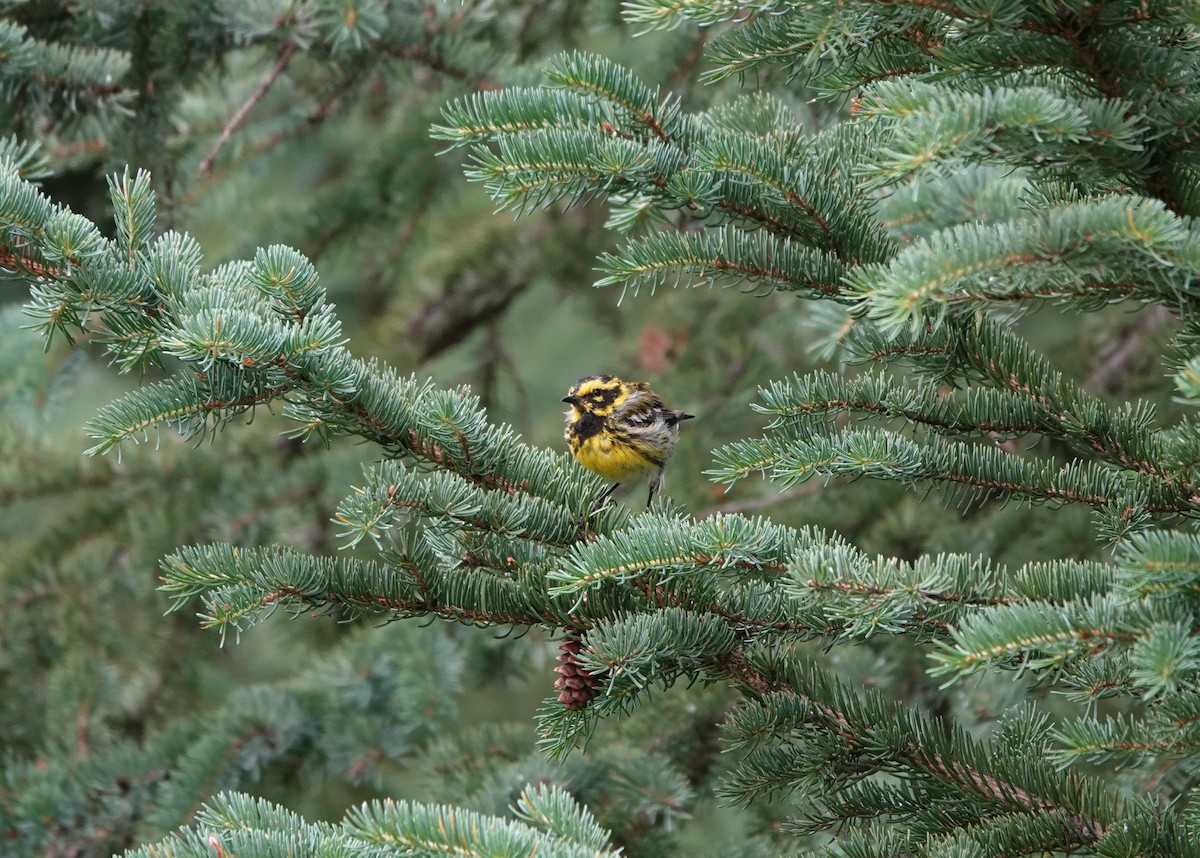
(10, 260)
(284, 56)
(831, 289)
(408, 607)
(424, 56)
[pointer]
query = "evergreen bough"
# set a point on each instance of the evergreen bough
(1086, 118)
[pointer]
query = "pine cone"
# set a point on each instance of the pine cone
(577, 686)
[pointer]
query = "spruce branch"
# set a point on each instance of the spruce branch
(853, 596)
(599, 78)
(672, 13)
(538, 168)
(991, 353)
(790, 195)
(931, 127)
(1117, 741)
(392, 492)
(241, 588)
(486, 115)
(975, 471)
(632, 654)
(770, 582)
(1010, 778)
(283, 58)
(566, 829)
(549, 822)
(1084, 113)
(1122, 244)
(723, 255)
(11, 261)
(671, 547)
(1160, 564)
(801, 402)
(251, 333)
(83, 82)
(533, 149)
(1036, 635)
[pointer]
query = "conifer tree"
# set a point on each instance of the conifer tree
(995, 158)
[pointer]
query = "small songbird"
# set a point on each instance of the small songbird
(621, 430)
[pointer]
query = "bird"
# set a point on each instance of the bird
(621, 430)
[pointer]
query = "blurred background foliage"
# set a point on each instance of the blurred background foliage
(114, 712)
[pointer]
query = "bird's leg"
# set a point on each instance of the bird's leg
(655, 484)
(600, 501)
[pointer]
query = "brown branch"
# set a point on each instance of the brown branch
(753, 504)
(858, 737)
(770, 221)
(776, 273)
(13, 262)
(1043, 492)
(284, 56)
(1117, 359)
(687, 68)
(436, 62)
(403, 607)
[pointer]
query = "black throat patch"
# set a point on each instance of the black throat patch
(586, 426)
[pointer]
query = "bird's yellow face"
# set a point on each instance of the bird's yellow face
(599, 395)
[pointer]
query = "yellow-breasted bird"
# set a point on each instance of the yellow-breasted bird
(621, 430)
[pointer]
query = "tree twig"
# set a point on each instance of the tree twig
(1117, 360)
(282, 58)
(753, 504)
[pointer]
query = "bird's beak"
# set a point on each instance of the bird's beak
(571, 400)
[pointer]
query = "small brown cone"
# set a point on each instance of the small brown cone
(576, 685)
